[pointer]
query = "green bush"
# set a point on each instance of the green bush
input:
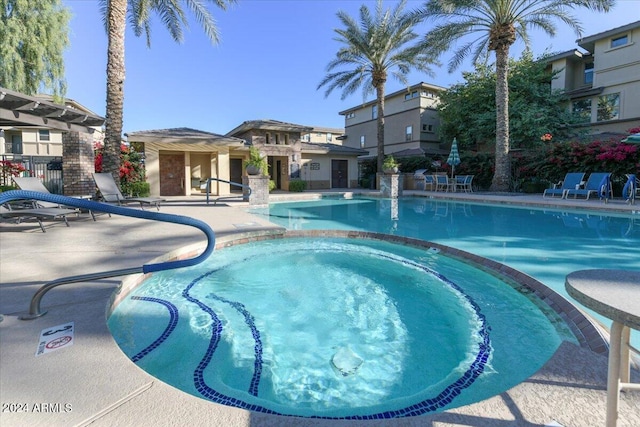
(272, 185)
(136, 189)
(297, 185)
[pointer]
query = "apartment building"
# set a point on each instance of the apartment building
(411, 122)
(603, 81)
(323, 135)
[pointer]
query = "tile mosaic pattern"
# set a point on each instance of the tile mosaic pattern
(442, 399)
(173, 322)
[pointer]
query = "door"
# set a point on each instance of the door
(172, 174)
(235, 174)
(339, 173)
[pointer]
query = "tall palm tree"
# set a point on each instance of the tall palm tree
(114, 13)
(373, 48)
(495, 25)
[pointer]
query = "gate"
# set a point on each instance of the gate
(47, 168)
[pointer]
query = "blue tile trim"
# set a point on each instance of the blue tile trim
(444, 398)
(173, 321)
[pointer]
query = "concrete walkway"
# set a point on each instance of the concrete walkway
(93, 383)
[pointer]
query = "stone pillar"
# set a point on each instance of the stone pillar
(391, 185)
(259, 185)
(78, 164)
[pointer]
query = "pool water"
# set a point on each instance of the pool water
(546, 244)
(334, 328)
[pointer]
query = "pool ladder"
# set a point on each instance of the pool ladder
(34, 307)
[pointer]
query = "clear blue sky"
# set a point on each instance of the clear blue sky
(272, 55)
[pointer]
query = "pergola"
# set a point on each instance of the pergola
(19, 110)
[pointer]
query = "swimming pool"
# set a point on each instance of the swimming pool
(335, 328)
(546, 244)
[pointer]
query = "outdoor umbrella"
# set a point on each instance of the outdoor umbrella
(454, 157)
(633, 139)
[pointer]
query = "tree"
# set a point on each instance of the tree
(373, 48)
(140, 13)
(467, 110)
(495, 25)
(33, 38)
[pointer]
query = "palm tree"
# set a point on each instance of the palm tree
(495, 25)
(114, 13)
(373, 48)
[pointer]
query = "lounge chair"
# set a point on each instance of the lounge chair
(110, 192)
(29, 183)
(36, 213)
(598, 183)
(571, 180)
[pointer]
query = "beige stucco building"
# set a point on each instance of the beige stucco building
(180, 161)
(603, 80)
(411, 122)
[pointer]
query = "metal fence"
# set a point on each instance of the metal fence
(47, 168)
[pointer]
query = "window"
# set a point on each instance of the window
(267, 138)
(588, 73)
(286, 139)
(608, 107)
(374, 112)
(16, 144)
(329, 137)
(306, 137)
(582, 109)
(351, 115)
(43, 135)
(619, 41)
(361, 141)
(409, 133)
(427, 128)
(277, 136)
(411, 95)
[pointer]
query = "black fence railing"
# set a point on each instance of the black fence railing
(47, 168)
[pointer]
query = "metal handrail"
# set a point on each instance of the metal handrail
(34, 308)
(237, 184)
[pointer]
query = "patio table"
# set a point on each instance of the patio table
(614, 294)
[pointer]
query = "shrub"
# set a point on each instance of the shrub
(136, 189)
(272, 185)
(297, 185)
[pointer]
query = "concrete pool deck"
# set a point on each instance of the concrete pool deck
(93, 383)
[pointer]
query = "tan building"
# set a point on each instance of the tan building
(323, 135)
(603, 81)
(322, 164)
(180, 161)
(411, 122)
(53, 142)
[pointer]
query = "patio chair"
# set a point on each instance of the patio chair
(442, 182)
(598, 183)
(571, 181)
(429, 182)
(6, 211)
(31, 183)
(463, 183)
(110, 192)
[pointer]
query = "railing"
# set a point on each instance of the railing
(244, 196)
(34, 307)
(47, 168)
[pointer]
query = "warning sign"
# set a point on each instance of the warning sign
(55, 338)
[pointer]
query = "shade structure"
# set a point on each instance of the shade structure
(632, 139)
(454, 156)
